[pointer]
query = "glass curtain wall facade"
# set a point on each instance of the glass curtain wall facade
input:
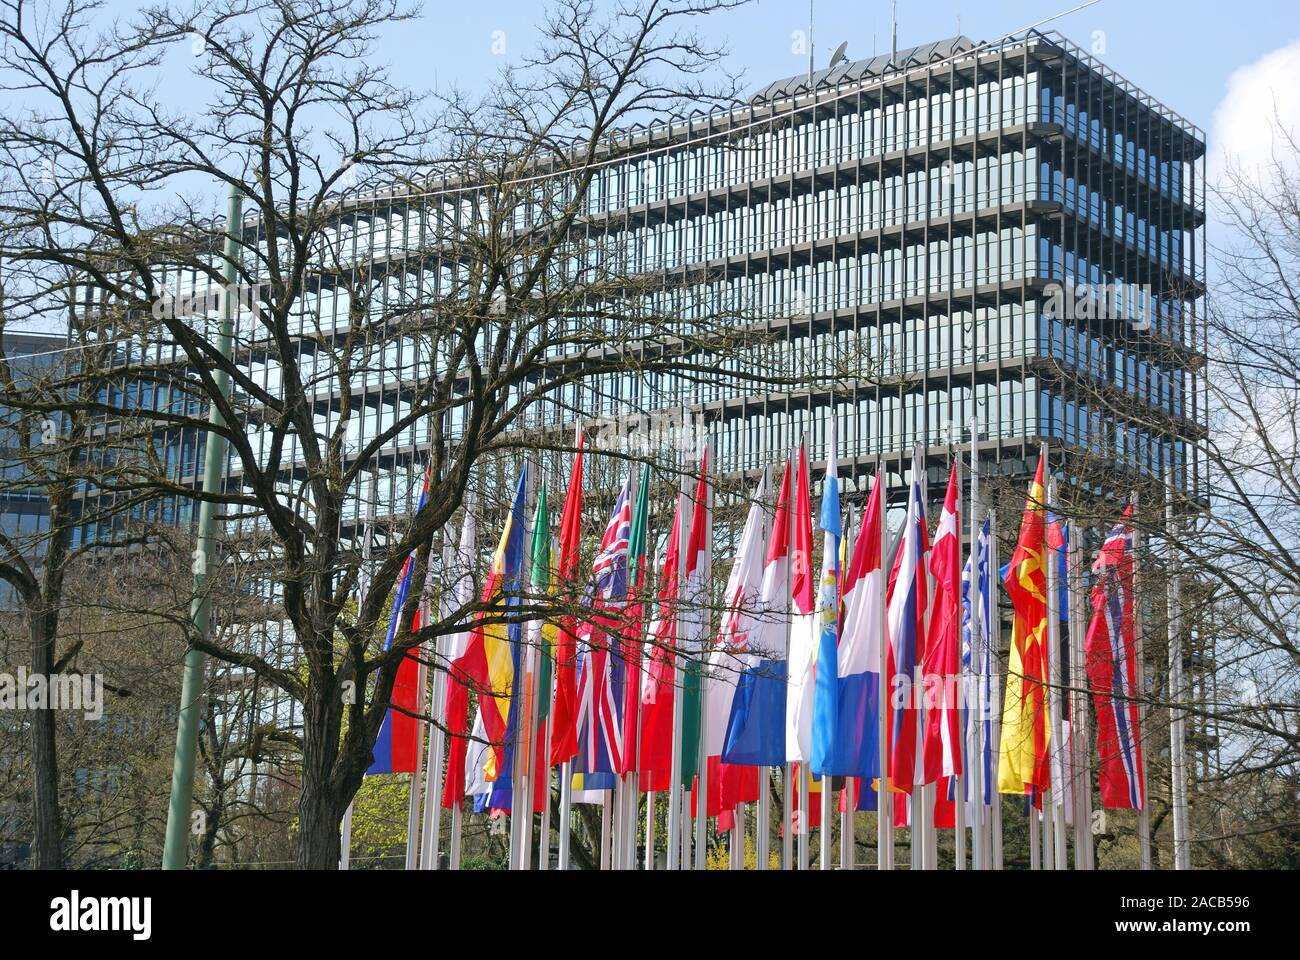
(912, 224)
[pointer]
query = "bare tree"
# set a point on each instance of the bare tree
(470, 238)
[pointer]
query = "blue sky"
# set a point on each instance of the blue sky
(1186, 53)
(1182, 52)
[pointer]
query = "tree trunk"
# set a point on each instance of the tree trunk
(320, 807)
(47, 843)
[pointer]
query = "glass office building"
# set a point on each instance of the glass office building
(1005, 231)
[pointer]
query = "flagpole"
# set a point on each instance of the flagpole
(957, 690)
(649, 829)
(675, 766)
(1139, 644)
(544, 841)
(605, 818)
(345, 843)
(923, 793)
(763, 808)
(847, 815)
(787, 777)
(1055, 683)
(884, 796)
(995, 695)
(1035, 840)
(1080, 739)
(457, 817)
(1177, 719)
(702, 665)
(433, 760)
(979, 844)
(414, 813)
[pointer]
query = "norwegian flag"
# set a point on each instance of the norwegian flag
(1111, 651)
(600, 670)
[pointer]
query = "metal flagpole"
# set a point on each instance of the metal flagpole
(519, 759)
(544, 841)
(416, 793)
(975, 717)
(675, 768)
(736, 848)
(1177, 719)
(457, 818)
(1035, 841)
(1081, 763)
(650, 830)
(176, 842)
(959, 794)
(345, 844)
(848, 814)
(605, 818)
(923, 838)
(1054, 797)
(884, 796)
(995, 692)
(566, 768)
(787, 818)
(702, 665)
(787, 776)
(438, 709)
(763, 809)
(1139, 643)
(566, 806)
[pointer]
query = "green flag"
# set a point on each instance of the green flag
(543, 582)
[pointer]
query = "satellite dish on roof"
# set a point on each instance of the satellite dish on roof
(839, 55)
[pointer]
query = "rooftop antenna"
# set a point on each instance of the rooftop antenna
(839, 55)
(893, 31)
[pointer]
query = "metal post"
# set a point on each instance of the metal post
(1053, 807)
(979, 840)
(1177, 719)
(1080, 740)
(995, 691)
(214, 461)
(650, 830)
(1139, 655)
(884, 797)
(675, 830)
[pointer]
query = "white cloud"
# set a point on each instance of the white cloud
(1260, 96)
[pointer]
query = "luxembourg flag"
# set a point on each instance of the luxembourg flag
(803, 626)
(857, 741)
(942, 666)
(906, 620)
(756, 726)
(826, 680)
(397, 747)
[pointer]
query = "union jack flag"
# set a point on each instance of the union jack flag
(600, 666)
(609, 570)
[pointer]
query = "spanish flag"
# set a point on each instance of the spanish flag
(1023, 752)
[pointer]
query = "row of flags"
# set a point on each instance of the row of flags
(846, 670)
